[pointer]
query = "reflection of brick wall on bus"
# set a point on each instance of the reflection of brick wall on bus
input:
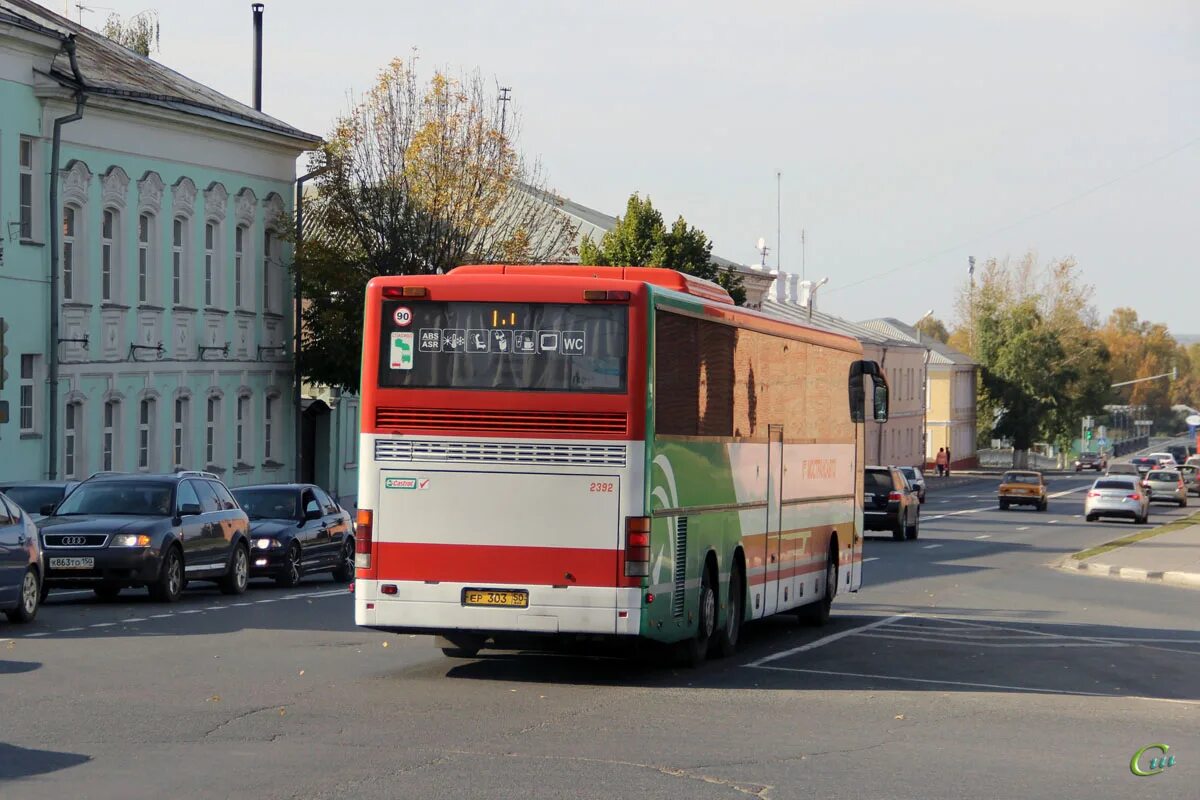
(722, 381)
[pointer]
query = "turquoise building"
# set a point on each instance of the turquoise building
(174, 306)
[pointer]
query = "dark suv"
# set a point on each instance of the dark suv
(1091, 461)
(890, 503)
(157, 531)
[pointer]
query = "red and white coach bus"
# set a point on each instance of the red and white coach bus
(612, 452)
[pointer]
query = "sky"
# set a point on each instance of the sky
(907, 136)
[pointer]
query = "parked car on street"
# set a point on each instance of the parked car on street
(1191, 478)
(890, 503)
(1117, 496)
(1094, 461)
(38, 498)
(1145, 463)
(1022, 488)
(1166, 486)
(21, 564)
(297, 529)
(915, 478)
(156, 531)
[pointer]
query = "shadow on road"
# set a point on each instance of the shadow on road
(18, 667)
(22, 762)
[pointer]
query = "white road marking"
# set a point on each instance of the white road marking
(160, 616)
(241, 605)
(984, 536)
(872, 558)
(826, 640)
(102, 624)
(133, 619)
(215, 608)
(931, 546)
(1011, 644)
(191, 611)
(69, 630)
(39, 633)
(1052, 522)
(936, 682)
(1023, 528)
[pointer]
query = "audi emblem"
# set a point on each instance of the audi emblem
(74, 541)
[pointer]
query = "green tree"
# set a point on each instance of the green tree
(641, 239)
(419, 177)
(139, 33)
(934, 328)
(1043, 360)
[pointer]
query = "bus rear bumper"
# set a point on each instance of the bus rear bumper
(438, 608)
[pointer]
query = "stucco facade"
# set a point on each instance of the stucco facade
(175, 334)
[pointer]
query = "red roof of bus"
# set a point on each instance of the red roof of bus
(667, 278)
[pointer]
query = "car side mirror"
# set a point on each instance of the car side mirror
(313, 513)
(47, 509)
(189, 510)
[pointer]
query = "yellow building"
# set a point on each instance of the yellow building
(950, 394)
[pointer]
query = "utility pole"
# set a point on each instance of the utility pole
(504, 98)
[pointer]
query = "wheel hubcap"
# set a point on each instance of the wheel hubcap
(709, 612)
(239, 567)
(29, 592)
(173, 575)
(294, 564)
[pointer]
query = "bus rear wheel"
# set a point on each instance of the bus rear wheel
(695, 650)
(727, 640)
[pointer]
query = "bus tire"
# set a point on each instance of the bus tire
(695, 650)
(727, 639)
(817, 614)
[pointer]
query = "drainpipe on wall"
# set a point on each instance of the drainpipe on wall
(52, 362)
(335, 395)
(925, 409)
(879, 439)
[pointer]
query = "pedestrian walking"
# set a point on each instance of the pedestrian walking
(941, 462)
(949, 459)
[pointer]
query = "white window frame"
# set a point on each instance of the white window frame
(240, 236)
(181, 268)
(212, 424)
(241, 417)
(110, 255)
(27, 188)
(110, 443)
(180, 441)
(73, 456)
(212, 263)
(28, 394)
(147, 408)
(72, 268)
(145, 259)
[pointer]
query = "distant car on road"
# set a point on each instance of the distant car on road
(1145, 463)
(1165, 459)
(38, 498)
(156, 531)
(915, 478)
(1094, 461)
(21, 563)
(1117, 496)
(296, 529)
(1124, 468)
(1022, 487)
(1179, 452)
(1193, 461)
(890, 503)
(1191, 478)
(1166, 486)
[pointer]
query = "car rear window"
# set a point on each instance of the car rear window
(1163, 475)
(1122, 485)
(32, 498)
(1019, 477)
(878, 482)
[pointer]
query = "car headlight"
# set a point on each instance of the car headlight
(265, 544)
(130, 540)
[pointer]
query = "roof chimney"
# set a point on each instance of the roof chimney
(257, 9)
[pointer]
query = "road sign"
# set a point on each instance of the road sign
(1102, 442)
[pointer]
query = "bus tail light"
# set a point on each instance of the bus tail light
(396, 292)
(637, 547)
(363, 539)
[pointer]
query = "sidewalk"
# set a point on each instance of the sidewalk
(1171, 556)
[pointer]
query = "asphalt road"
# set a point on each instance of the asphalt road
(965, 668)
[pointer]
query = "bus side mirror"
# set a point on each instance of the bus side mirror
(880, 404)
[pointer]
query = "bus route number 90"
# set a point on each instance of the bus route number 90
(601, 486)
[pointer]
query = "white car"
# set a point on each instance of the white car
(1165, 459)
(1117, 496)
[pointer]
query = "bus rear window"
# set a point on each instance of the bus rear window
(532, 347)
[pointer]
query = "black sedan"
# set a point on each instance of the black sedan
(21, 563)
(38, 498)
(297, 529)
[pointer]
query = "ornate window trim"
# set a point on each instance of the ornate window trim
(216, 202)
(183, 198)
(150, 194)
(76, 181)
(245, 207)
(273, 213)
(114, 192)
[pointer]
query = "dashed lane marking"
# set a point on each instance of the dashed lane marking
(936, 682)
(1023, 528)
(984, 536)
(931, 546)
(872, 558)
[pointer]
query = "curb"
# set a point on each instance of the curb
(1190, 580)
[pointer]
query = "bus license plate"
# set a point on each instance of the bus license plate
(72, 563)
(512, 598)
